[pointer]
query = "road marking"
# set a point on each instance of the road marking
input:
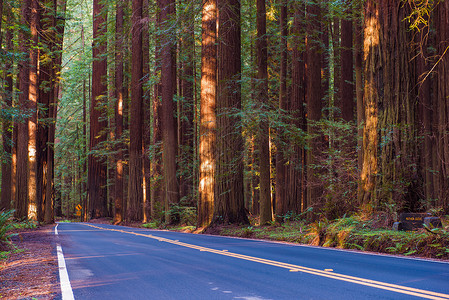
(296, 268)
(66, 287)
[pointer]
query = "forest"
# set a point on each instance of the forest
(209, 112)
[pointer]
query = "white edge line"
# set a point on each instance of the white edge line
(66, 288)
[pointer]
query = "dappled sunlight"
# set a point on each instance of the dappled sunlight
(371, 37)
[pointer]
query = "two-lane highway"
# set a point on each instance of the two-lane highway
(115, 262)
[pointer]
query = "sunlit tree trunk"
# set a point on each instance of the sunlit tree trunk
(33, 201)
(229, 198)
(118, 198)
(207, 113)
(147, 106)
(97, 169)
(371, 64)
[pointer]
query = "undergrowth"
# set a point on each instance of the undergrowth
(354, 232)
(7, 226)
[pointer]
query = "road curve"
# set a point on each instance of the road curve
(116, 262)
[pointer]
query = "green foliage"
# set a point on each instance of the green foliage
(152, 225)
(180, 214)
(26, 224)
(5, 226)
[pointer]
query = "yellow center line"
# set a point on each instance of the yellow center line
(295, 268)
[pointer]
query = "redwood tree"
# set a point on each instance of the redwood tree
(314, 101)
(118, 198)
(264, 135)
(21, 199)
(97, 176)
(134, 209)
(229, 197)
(168, 80)
(207, 114)
(6, 185)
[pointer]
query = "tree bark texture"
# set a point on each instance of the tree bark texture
(97, 177)
(397, 109)
(264, 135)
(33, 202)
(119, 91)
(169, 136)
(187, 106)
(156, 161)
(347, 70)
(207, 113)
(7, 138)
(21, 198)
(295, 180)
(442, 105)
(371, 55)
(135, 209)
(314, 100)
(281, 160)
(147, 107)
(229, 198)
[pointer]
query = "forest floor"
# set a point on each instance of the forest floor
(30, 270)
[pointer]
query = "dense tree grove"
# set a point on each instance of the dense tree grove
(223, 111)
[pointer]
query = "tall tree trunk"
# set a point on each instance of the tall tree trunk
(169, 139)
(314, 101)
(371, 55)
(21, 198)
(346, 78)
(134, 212)
(6, 187)
(264, 145)
(229, 197)
(358, 68)
(442, 105)
(397, 109)
(59, 17)
(45, 94)
(118, 198)
(33, 202)
(207, 113)
(295, 182)
(281, 176)
(187, 106)
(97, 177)
(156, 162)
(147, 106)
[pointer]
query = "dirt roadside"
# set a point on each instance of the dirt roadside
(31, 272)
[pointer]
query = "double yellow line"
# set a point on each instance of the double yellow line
(295, 268)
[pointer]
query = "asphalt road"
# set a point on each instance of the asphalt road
(115, 262)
